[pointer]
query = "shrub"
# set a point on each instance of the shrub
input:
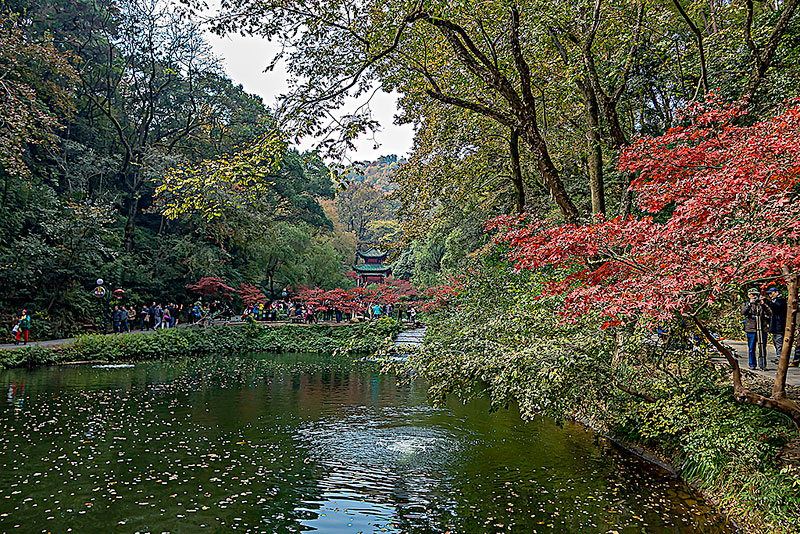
(179, 342)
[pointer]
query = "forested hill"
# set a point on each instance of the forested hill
(100, 101)
(377, 173)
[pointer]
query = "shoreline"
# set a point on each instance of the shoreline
(359, 338)
(356, 338)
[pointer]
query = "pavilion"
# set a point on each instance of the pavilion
(372, 270)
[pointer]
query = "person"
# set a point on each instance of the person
(158, 315)
(24, 326)
(116, 318)
(166, 319)
(151, 311)
(777, 321)
(195, 313)
(123, 320)
(15, 333)
(376, 311)
(173, 314)
(412, 315)
(144, 317)
(756, 324)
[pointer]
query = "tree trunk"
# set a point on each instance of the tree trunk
(779, 388)
(763, 58)
(698, 33)
(516, 174)
(550, 176)
(56, 292)
(744, 395)
(626, 199)
(594, 150)
(130, 224)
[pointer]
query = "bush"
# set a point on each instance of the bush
(362, 338)
(512, 347)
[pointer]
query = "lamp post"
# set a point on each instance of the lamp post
(101, 293)
(104, 295)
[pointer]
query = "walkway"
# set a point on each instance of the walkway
(792, 378)
(413, 338)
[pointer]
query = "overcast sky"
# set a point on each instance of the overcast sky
(244, 59)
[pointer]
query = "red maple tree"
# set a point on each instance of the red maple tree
(250, 294)
(211, 286)
(720, 212)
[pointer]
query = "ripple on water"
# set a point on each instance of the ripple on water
(244, 444)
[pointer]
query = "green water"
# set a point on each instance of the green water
(276, 444)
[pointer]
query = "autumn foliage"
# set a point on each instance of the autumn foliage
(211, 286)
(250, 294)
(718, 212)
(396, 292)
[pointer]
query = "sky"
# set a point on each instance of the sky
(245, 58)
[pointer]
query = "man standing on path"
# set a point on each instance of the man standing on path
(756, 323)
(144, 317)
(116, 317)
(777, 322)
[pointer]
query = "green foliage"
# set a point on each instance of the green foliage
(501, 340)
(360, 339)
(366, 212)
(84, 154)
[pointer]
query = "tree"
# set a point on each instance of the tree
(250, 294)
(721, 212)
(571, 81)
(211, 286)
(359, 205)
(144, 71)
(36, 89)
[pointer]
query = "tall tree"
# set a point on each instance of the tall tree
(722, 213)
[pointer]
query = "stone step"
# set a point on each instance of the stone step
(410, 337)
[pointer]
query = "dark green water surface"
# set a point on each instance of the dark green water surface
(266, 443)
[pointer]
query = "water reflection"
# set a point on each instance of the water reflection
(305, 443)
(16, 396)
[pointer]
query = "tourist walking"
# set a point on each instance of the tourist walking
(756, 324)
(116, 317)
(124, 316)
(777, 321)
(158, 315)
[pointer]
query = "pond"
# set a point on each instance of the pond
(294, 443)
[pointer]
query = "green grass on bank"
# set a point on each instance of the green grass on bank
(361, 338)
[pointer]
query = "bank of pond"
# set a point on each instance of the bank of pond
(357, 338)
(279, 443)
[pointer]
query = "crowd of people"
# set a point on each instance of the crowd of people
(154, 316)
(298, 312)
(765, 315)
